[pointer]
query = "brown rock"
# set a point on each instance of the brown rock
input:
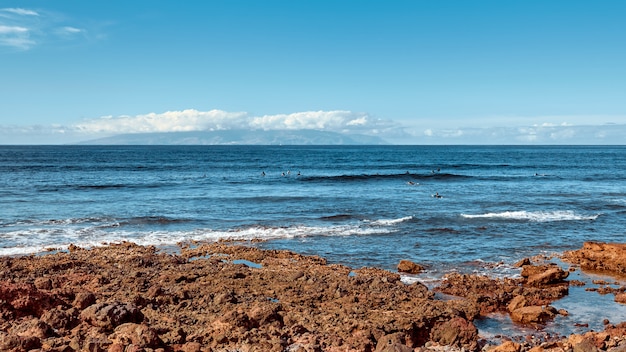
(43, 283)
(84, 300)
(8, 342)
(516, 303)
(523, 262)
(407, 266)
(551, 275)
(60, 319)
(507, 346)
(393, 343)
(599, 256)
(33, 328)
(137, 334)
(110, 315)
(620, 297)
(533, 314)
(456, 332)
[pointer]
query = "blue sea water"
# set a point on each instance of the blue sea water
(355, 205)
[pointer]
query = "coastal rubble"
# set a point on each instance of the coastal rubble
(224, 297)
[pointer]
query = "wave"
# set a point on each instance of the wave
(537, 216)
(42, 239)
(376, 177)
(390, 222)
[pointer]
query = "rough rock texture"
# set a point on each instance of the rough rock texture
(526, 299)
(217, 297)
(599, 256)
(407, 266)
(221, 297)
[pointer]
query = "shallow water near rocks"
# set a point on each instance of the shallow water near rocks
(587, 311)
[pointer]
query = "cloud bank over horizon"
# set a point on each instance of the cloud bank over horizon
(339, 121)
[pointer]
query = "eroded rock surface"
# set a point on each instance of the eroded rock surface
(217, 297)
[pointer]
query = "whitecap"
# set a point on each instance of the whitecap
(389, 222)
(534, 216)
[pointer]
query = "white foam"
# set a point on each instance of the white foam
(36, 240)
(535, 216)
(389, 222)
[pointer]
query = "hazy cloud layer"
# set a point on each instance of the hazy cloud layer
(339, 121)
(23, 29)
(194, 120)
(538, 134)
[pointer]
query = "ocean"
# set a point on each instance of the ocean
(474, 209)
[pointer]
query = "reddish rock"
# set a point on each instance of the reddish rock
(550, 275)
(407, 266)
(136, 334)
(456, 332)
(516, 303)
(507, 346)
(533, 314)
(84, 300)
(599, 256)
(393, 343)
(110, 315)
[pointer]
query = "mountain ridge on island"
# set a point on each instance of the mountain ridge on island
(238, 137)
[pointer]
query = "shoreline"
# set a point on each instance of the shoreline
(228, 296)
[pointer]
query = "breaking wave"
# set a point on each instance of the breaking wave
(536, 216)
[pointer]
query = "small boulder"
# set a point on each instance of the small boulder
(620, 297)
(110, 315)
(392, 343)
(84, 300)
(551, 275)
(136, 334)
(407, 266)
(533, 314)
(456, 332)
(507, 346)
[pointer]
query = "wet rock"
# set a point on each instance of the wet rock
(549, 275)
(523, 262)
(533, 314)
(517, 302)
(110, 315)
(620, 298)
(599, 256)
(507, 346)
(407, 266)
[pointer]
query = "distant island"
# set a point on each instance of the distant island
(238, 137)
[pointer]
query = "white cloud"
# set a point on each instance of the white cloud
(70, 30)
(24, 29)
(13, 30)
(170, 121)
(194, 120)
(19, 11)
(334, 121)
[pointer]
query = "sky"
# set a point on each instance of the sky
(410, 72)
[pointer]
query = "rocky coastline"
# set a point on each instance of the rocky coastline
(234, 297)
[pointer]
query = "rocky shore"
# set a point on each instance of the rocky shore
(226, 297)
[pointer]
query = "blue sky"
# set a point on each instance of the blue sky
(424, 72)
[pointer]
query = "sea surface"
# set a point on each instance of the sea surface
(354, 205)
